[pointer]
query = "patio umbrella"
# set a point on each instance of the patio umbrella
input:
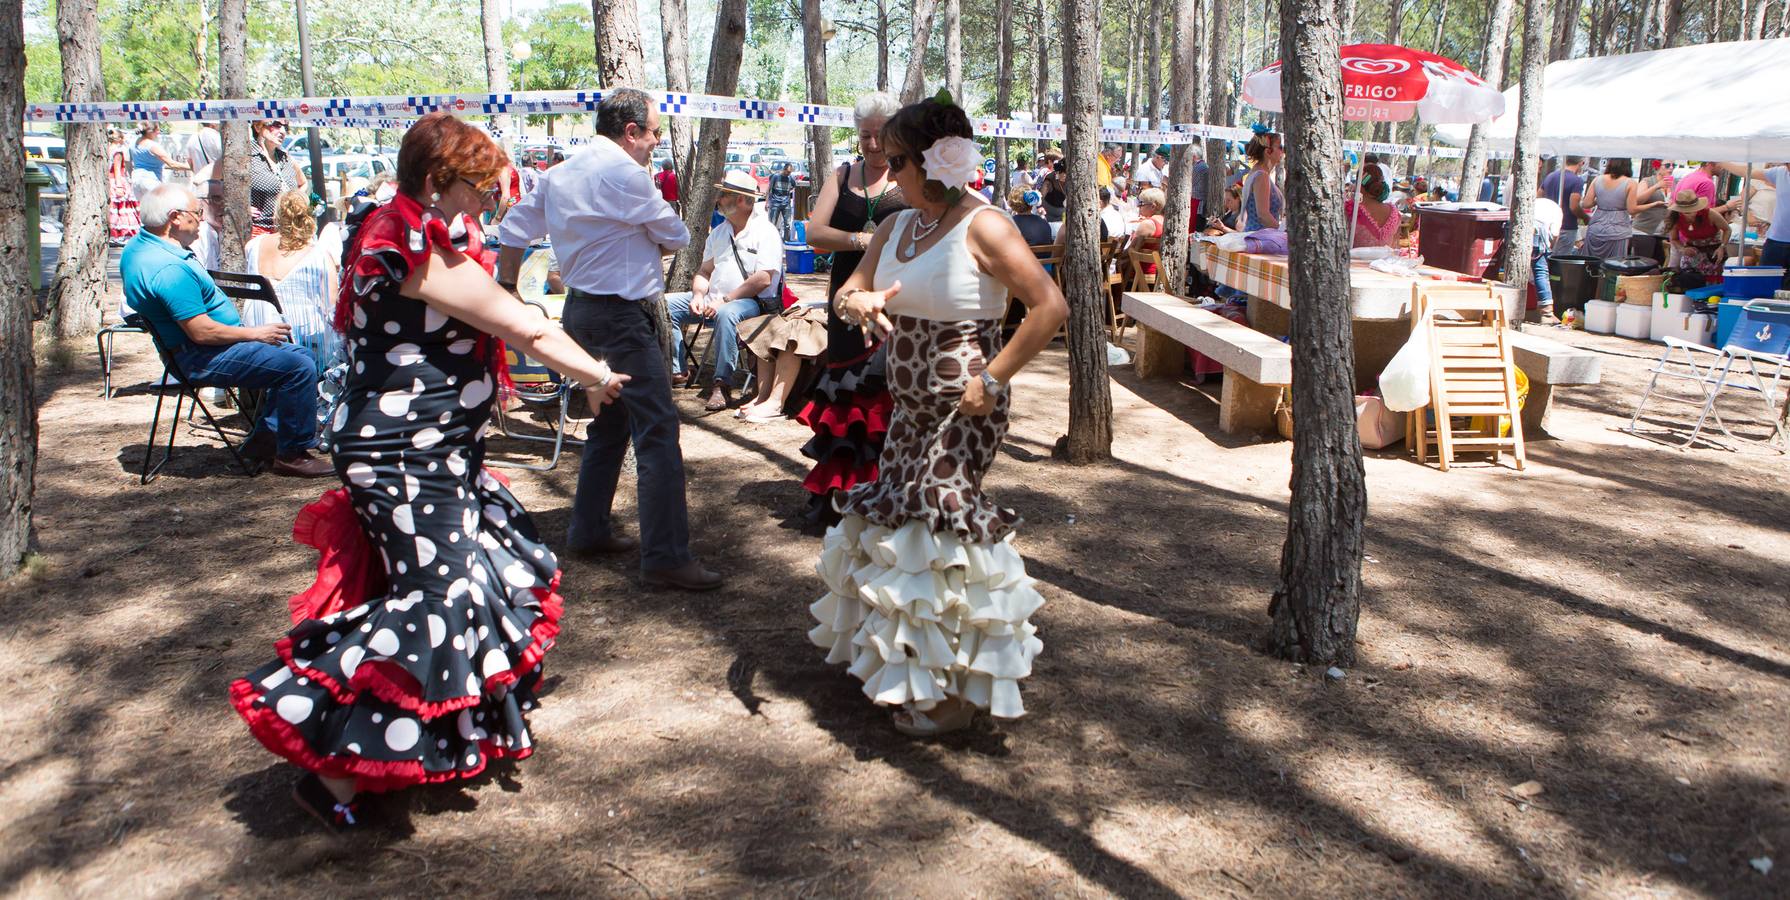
(1389, 83)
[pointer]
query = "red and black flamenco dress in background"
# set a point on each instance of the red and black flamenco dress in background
(849, 408)
(416, 655)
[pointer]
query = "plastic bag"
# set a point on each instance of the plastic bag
(1116, 355)
(1405, 383)
(1231, 242)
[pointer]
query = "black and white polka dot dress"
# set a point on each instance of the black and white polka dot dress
(431, 679)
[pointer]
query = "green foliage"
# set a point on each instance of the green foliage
(560, 40)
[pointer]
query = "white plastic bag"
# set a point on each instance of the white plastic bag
(1116, 355)
(1231, 242)
(1405, 383)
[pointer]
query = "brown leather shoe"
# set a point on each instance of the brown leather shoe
(302, 465)
(690, 576)
(609, 546)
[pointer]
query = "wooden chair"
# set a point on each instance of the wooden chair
(1471, 374)
(1115, 285)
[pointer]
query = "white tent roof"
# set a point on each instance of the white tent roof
(1728, 101)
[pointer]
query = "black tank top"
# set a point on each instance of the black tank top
(852, 212)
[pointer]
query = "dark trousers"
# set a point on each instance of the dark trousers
(1777, 253)
(286, 371)
(621, 333)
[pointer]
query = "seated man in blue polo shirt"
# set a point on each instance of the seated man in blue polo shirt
(164, 282)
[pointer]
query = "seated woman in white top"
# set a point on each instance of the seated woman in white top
(303, 274)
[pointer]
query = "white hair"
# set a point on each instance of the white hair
(874, 105)
(160, 204)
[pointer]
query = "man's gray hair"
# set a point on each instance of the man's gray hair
(160, 204)
(620, 108)
(874, 105)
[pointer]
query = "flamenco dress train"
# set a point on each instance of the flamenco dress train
(927, 598)
(415, 656)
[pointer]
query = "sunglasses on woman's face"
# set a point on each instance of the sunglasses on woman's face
(897, 161)
(488, 195)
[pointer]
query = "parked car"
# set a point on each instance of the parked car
(343, 168)
(45, 146)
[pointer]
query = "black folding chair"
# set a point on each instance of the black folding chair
(185, 389)
(132, 324)
(244, 287)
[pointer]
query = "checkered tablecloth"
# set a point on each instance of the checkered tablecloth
(1373, 294)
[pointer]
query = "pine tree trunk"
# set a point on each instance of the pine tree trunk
(1003, 94)
(913, 84)
(1566, 29)
(80, 283)
(1218, 99)
(621, 59)
(1041, 84)
(1184, 93)
(1671, 28)
(1347, 17)
(674, 25)
(1316, 606)
(1090, 393)
(1153, 73)
(711, 141)
(1492, 59)
(1128, 99)
(497, 61)
(1757, 31)
(233, 166)
(954, 49)
(18, 424)
(202, 51)
(1526, 162)
(882, 45)
(820, 137)
(1395, 27)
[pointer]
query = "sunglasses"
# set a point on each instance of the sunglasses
(489, 195)
(897, 161)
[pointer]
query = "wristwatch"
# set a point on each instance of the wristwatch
(992, 386)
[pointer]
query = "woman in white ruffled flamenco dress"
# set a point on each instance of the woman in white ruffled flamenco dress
(926, 597)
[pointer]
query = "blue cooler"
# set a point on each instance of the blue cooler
(798, 259)
(1729, 313)
(1750, 282)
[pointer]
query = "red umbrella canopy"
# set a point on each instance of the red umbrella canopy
(1388, 83)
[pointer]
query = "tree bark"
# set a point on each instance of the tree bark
(1128, 100)
(882, 45)
(1090, 436)
(1525, 163)
(1395, 26)
(711, 141)
(80, 282)
(1671, 28)
(1315, 608)
(1347, 17)
(1757, 31)
(18, 424)
(232, 172)
(673, 24)
(913, 84)
(1003, 94)
(1041, 85)
(1218, 99)
(202, 50)
(1497, 36)
(954, 49)
(497, 60)
(1153, 71)
(621, 59)
(820, 137)
(1184, 93)
(1566, 29)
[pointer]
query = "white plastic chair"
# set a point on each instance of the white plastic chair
(1753, 361)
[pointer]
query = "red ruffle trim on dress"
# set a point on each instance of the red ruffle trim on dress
(346, 571)
(371, 775)
(868, 413)
(393, 684)
(838, 473)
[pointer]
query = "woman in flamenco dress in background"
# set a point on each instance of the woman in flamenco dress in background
(926, 597)
(849, 411)
(415, 656)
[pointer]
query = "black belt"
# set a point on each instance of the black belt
(576, 294)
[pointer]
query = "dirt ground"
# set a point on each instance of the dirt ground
(1611, 624)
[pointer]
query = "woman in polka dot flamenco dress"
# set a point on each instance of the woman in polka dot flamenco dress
(927, 600)
(415, 656)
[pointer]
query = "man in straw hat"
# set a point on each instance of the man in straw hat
(610, 230)
(740, 279)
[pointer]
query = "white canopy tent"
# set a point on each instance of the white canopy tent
(1728, 101)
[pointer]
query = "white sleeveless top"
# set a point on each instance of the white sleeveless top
(943, 283)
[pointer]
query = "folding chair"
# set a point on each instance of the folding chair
(185, 389)
(1115, 283)
(1471, 374)
(1753, 361)
(537, 385)
(133, 323)
(246, 288)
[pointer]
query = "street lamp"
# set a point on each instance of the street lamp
(520, 52)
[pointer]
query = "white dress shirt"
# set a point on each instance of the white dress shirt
(608, 223)
(1147, 176)
(760, 246)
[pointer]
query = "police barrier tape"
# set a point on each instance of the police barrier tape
(394, 111)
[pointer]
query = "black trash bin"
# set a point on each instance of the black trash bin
(1574, 280)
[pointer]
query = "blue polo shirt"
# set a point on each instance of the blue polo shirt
(165, 282)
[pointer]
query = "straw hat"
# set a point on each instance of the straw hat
(738, 182)
(1687, 202)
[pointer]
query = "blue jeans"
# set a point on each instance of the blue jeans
(287, 371)
(1777, 253)
(781, 211)
(622, 334)
(726, 320)
(1544, 292)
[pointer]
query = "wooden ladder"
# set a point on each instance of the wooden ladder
(1471, 374)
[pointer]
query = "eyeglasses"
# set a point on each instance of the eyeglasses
(657, 133)
(489, 195)
(897, 162)
(274, 126)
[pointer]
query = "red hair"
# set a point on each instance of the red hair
(442, 147)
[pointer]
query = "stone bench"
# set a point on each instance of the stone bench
(1256, 366)
(1549, 364)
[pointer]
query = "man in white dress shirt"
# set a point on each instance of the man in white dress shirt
(610, 228)
(738, 281)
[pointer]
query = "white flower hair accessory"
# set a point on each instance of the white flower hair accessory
(952, 162)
